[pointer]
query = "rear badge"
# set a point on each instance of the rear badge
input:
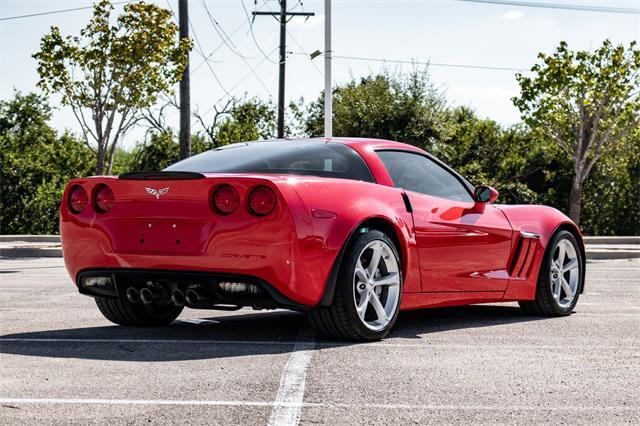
(157, 192)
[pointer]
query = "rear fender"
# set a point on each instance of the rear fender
(544, 221)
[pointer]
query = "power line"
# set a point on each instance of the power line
(283, 16)
(562, 6)
(574, 7)
(253, 35)
(239, 82)
(222, 34)
(305, 53)
(215, 49)
(201, 52)
(232, 47)
(433, 64)
(30, 15)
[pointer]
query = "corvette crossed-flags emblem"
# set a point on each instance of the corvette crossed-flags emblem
(157, 192)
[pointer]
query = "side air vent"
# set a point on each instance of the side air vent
(523, 257)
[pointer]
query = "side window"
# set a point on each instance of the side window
(417, 173)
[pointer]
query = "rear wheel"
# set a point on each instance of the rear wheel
(368, 291)
(559, 282)
(121, 311)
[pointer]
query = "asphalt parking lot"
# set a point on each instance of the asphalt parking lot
(62, 363)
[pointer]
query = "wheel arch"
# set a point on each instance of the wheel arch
(379, 223)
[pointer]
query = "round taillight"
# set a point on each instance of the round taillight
(103, 198)
(226, 200)
(262, 201)
(78, 199)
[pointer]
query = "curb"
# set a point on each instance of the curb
(612, 254)
(30, 238)
(612, 240)
(23, 252)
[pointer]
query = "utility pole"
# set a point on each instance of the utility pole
(283, 17)
(185, 90)
(328, 93)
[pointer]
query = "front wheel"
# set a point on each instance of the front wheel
(368, 290)
(560, 279)
(121, 311)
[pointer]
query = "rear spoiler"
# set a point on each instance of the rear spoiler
(160, 175)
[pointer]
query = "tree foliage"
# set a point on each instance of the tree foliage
(586, 102)
(239, 120)
(388, 106)
(112, 70)
(35, 165)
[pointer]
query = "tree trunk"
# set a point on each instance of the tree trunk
(575, 200)
(100, 160)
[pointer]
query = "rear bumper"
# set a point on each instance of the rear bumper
(123, 278)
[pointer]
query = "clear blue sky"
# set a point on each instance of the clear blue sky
(442, 31)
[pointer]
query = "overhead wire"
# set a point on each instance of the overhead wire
(221, 33)
(253, 35)
(200, 51)
(434, 64)
(52, 12)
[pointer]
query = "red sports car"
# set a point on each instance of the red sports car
(349, 230)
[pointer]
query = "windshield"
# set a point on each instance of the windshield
(313, 158)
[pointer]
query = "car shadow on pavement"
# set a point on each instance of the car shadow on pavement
(234, 335)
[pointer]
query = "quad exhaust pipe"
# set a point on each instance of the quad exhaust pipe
(195, 296)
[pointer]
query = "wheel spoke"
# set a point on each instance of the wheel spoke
(362, 306)
(556, 289)
(573, 264)
(566, 287)
(361, 273)
(389, 279)
(561, 255)
(380, 312)
(375, 259)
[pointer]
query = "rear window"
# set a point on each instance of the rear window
(280, 157)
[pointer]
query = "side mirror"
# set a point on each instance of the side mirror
(485, 194)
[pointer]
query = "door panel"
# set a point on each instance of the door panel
(460, 248)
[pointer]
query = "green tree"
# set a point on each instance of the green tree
(35, 165)
(522, 169)
(403, 107)
(612, 193)
(586, 102)
(112, 70)
(161, 150)
(238, 121)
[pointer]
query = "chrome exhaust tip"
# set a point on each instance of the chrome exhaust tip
(147, 296)
(133, 295)
(177, 297)
(196, 297)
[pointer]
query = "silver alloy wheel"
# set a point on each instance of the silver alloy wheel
(565, 273)
(376, 285)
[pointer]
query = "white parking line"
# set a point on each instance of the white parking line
(287, 407)
(299, 405)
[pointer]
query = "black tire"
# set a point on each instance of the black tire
(545, 304)
(122, 312)
(340, 320)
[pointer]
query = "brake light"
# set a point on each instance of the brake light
(78, 199)
(226, 200)
(262, 201)
(103, 198)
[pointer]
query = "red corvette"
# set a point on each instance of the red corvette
(349, 230)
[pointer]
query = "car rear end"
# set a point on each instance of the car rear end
(230, 238)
